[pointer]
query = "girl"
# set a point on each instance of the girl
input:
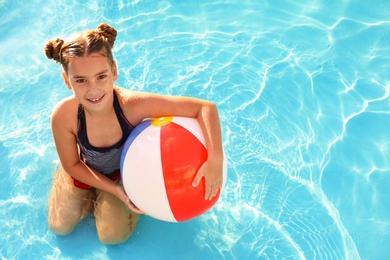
(90, 128)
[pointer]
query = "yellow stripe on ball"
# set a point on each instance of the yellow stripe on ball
(161, 121)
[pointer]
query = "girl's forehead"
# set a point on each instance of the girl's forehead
(88, 65)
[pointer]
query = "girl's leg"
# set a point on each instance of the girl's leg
(68, 205)
(115, 222)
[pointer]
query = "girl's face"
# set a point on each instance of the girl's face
(92, 80)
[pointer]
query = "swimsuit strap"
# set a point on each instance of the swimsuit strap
(126, 126)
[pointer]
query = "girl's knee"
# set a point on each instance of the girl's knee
(113, 240)
(111, 236)
(60, 228)
(117, 232)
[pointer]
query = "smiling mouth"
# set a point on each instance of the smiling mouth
(95, 100)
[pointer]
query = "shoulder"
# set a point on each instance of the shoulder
(65, 106)
(65, 113)
(128, 96)
(135, 104)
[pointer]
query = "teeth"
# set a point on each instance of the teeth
(94, 99)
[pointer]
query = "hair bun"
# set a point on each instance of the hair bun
(108, 32)
(53, 49)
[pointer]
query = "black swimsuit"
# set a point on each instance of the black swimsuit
(104, 160)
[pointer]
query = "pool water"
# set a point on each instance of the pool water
(303, 93)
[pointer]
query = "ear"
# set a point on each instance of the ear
(114, 70)
(66, 80)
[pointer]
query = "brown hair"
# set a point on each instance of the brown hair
(99, 41)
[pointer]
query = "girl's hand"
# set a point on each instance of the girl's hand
(212, 172)
(121, 194)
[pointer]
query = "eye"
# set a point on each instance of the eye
(102, 76)
(80, 81)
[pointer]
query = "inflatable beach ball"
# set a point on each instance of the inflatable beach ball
(158, 164)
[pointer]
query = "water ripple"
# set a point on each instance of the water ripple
(303, 94)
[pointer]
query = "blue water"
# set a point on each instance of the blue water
(303, 93)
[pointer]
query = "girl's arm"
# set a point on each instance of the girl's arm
(138, 106)
(212, 170)
(65, 141)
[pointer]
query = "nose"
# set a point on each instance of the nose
(93, 86)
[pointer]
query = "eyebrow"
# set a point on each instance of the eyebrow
(97, 74)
